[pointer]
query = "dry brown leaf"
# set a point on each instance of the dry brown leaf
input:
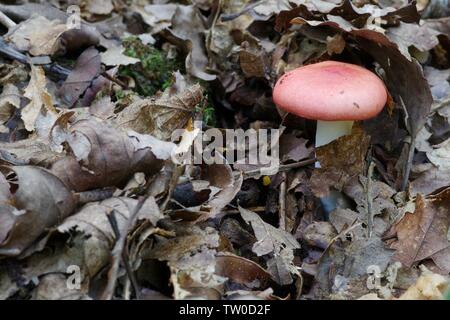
(340, 161)
(293, 148)
(242, 271)
(157, 16)
(422, 37)
(192, 259)
(114, 57)
(187, 28)
(277, 242)
(40, 202)
(430, 180)
(430, 286)
(104, 156)
(99, 7)
(40, 99)
(423, 234)
(87, 67)
(161, 116)
(30, 151)
(9, 102)
(37, 35)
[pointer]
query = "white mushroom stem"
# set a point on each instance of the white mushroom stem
(328, 131)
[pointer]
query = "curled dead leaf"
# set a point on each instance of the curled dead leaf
(40, 201)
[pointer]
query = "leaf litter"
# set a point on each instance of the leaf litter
(88, 177)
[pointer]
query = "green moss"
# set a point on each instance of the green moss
(154, 72)
(209, 114)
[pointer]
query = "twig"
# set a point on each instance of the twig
(232, 16)
(13, 54)
(115, 80)
(408, 164)
(114, 225)
(412, 146)
(120, 251)
(284, 167)
(369, 200)
(172, 185)
(95, 195)
(439, 105)
(6, 21)
(7, 51)
(342, 233)
(282, 201)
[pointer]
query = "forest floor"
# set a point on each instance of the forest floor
(100, 100)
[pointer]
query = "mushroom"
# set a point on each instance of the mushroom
(333, 93)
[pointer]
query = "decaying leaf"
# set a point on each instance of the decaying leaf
(161, 116)
(242, 271)
(104, 156)
(114, 57)
(100, 7)
(340, 161)
(86, 69)
(192, 258)
(40, 99)
(100, 187)
(191, 38)
(9, 102)
(37, 35)
(271, 240)
(423, 234)
(41, 201)
(430, 286)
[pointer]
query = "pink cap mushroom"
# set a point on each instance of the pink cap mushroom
(334, 93)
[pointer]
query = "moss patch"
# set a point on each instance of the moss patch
(154, 72)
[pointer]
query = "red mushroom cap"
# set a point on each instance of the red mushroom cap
(331, 91)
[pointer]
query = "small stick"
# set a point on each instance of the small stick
(119, 252)
(115, 80)
(284, 167)
(282, 201)
(408, 165)
(95, 195)
(6, 21)
(369, 200)
(232, 16)
(13, 54)
(412, 146)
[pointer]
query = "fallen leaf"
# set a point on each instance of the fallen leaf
(340, 161)
(40, 202)
(87, 67)
(160, 117)
(423, 234)
(430, 286)
(242, 271)
(293, 148)
(114, 57)
(37, 35)
(9, 102)
(430, 180)
(186, 29)
(106, 156)
(99, 7)
(40, 98)
(271, 240)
